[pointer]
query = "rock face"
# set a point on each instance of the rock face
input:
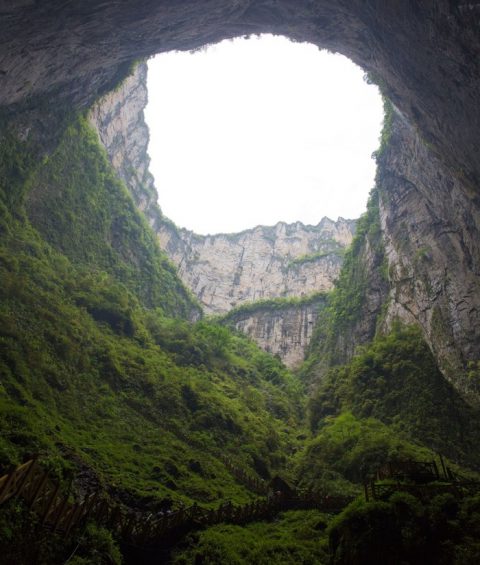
(423, 267)
(225, 271)
(119, 120)
(431, 227)
(285, 260)
(284, 330)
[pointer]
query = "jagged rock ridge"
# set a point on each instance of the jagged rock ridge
(285, 260)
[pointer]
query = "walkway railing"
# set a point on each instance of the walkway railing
(423, 479)
(62, 514)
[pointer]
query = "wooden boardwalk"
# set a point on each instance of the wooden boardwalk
(423, 479)
(63, 514)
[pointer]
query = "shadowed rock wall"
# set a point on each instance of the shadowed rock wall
(431, 228)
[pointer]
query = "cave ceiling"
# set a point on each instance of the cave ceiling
(424, 54)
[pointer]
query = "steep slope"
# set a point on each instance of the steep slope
(355, 309)
(414, 258)
(119, 121)
(431, 226)
(99, 377)
(425, 56)
(96, 372)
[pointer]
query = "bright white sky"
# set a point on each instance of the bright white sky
(255, 131)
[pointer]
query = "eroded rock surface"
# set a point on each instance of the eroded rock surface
(119, 120)
(285, 260)
(283, 330)
(431, 228)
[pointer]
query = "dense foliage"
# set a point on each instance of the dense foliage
(90, 376)
(396, 380)
(104, 374)
(295, 537)
(347, 306)
(443, 530)
(78, 205)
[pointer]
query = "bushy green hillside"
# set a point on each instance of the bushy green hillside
(294, 537)
(396, 381)
(95, 371)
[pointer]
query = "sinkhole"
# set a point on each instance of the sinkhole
(257, 130)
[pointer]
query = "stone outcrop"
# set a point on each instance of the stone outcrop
(431, 227)
(422, 266)
(119, 120)
(285, 260)
(284, 330)
(225, 271)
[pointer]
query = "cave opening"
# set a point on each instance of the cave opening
(256, 130)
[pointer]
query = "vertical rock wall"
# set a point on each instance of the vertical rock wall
(119, 120)
(283, 330)
(431, 228)
(285, 260)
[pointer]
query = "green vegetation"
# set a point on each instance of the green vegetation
(24, 540)
(97, 226)
(440, 531)
(313, 257)
(95, 371)
(395, 380)
(387, 129)
(347, 305)
(295, 537)
(346, 450)
(273, 305)
(392, 403)
(103, 371)
(348, 296)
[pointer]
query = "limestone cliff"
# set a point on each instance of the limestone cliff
(285, 260)
(431, 227)
(119, 120)
(281, 327)
(416, 259)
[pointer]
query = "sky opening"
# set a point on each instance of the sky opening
(260, 130)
